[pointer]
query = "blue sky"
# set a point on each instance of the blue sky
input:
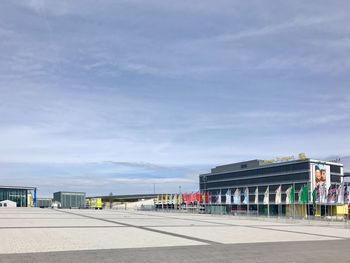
(114, 96)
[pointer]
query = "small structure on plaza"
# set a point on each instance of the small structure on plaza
(7, 203)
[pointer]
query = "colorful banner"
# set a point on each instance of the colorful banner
(203, 199)
(237, 197)
(292, 195)
(332, 194)
(246, 196)
(175, 199)
(300, 194)
(218, 198)
(278, 196)
(197, 197)
(340, 193)
(267, 196)
(288, 195)
(305, 194)
(189, 198)
(346, 194)
(256, 199)
(208, 198)
(322, 194)
(184, 198)
(228, 197)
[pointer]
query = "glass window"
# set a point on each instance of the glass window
(260, 171)
(16, 195)
(335, 169)
(304, 176)
(335, 179)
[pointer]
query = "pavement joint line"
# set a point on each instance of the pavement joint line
(263, 228)
(230, 224)
(205, 241)
(147, 226)
(41, 218)
(58, 227)
(299, 232)
(225, 217)
(225, 224)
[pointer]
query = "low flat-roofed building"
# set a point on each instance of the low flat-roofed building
(22, 195)
(44, 202)
(261, 173)
(254, 184)
(70, 199)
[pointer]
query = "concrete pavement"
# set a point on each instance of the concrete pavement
(45, 235)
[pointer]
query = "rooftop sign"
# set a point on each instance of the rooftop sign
(301, 156)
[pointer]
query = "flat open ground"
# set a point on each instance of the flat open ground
(45, 235)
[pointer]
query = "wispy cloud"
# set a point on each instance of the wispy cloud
(295, 23)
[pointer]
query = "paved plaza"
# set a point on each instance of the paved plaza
(47, 235)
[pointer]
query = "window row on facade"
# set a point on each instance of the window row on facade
(259, 171)
(303, 176)
(16, 195)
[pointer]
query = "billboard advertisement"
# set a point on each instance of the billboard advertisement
(320, 175)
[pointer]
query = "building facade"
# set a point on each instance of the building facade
(269, 184)
(70, 199)
(23, 196)
(44, 202)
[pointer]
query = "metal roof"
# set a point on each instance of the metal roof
(69, 192)
(131, 196)
(17, 187)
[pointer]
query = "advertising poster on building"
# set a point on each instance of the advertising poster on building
(320, 176)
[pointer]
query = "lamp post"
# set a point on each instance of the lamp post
(180, 197)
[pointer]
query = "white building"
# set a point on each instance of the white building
(7, 203)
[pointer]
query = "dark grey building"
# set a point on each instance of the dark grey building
(44, 202)
(70, 199)
(258, 175)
